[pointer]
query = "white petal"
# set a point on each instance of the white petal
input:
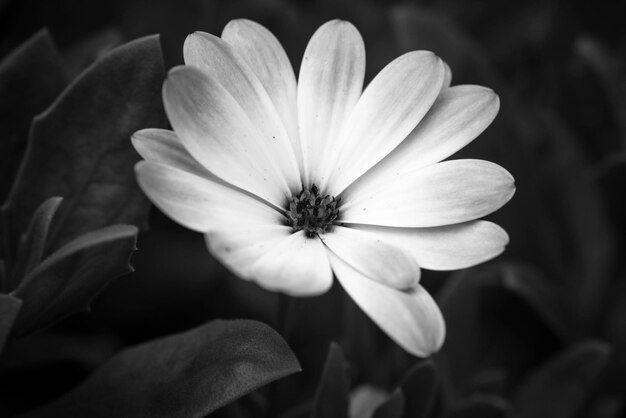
(458, 116)
(329, 85)
(269, 62)
(228, 68)
(239, 247)
(411, 318)
(390, 107)
(216, 132)
(164, 147)
(380, 261)
(296, 265)
(448, 247)
(447, 78)
(441, 194)
(198, 203)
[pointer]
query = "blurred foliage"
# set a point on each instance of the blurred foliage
(539, 332)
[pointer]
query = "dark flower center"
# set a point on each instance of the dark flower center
(312, 212)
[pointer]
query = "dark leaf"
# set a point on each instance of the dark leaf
(421, 385)
(9, 308)
(491, 331)
(185, 375)
(331, 399)
(80, 147)
(560, 388)
(30, 79)
(392, 407)
(540, 293)
(68, 280)
(419, 28)
(85, 52)
(480, 406)
(33, 244)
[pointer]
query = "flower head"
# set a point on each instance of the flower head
(293, 182)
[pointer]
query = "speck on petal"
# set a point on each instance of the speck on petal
(411, 318)
(269, 62)
(441, 194)
(376, 259)
(218, 133)
(329, 85)
(225, 66)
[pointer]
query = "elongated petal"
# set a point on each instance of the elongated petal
(447, 77)
(229, 69)
(441, 194)
(296, 265)
(330, 83)
(198, 203)
(458, 116)
(448, 247)
(164, 147)
(240, 247)
(216, 132)
(269, 62)
(378, 260)
(411, 318)
(390, 107)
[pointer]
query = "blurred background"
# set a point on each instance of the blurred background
(538, 332)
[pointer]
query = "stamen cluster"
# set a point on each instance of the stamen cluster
(312, 212)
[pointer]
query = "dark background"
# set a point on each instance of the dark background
(559, 68)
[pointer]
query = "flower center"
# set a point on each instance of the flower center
(312, 212)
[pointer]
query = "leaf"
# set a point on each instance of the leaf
(392, 407)
(421, 385)
(184, 375)
(68, 280)
(491, 331)
(481, 406)
(331, 399)
(560, 388)
(31, 77)
(33, 243)
(418, 28)
(80, 146)
(9, 308)
(85, 52)
(540, 293)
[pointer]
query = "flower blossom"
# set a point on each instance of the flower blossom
(296, 182)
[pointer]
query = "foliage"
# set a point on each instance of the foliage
(539, 332)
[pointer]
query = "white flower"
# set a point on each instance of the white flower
(294, 182)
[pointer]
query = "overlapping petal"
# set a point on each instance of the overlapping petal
(218, 133)
(239, 247)
(449, 247)
(248, 137)
(164, 147)
(198, 203)
(374, 258)
(441, 194)
(459, 115)
(296, 265)
(229, 69)
(411, 318)
(269, 62)
(329, 86)
(390, 107)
